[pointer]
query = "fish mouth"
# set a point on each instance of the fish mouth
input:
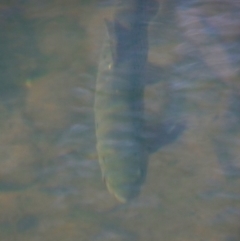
(123, 193)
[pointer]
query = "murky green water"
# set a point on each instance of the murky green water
(50, 179)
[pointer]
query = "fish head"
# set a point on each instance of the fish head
(125, 185)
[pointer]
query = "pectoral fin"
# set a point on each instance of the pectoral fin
(158, 136)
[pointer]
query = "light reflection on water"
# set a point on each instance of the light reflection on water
(50, 180)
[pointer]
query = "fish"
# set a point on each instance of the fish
(119, 102)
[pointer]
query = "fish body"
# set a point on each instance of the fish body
(119, 105)
(123, 141)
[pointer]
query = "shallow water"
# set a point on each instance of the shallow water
(50, 179)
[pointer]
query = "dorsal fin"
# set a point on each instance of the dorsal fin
(111, 38)
(119, 36)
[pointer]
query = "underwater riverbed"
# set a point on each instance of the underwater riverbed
(51, 186)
